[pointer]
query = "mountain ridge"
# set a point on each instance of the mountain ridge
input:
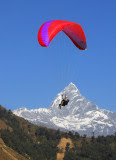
(80, 115)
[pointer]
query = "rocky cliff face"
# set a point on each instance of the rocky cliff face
(80, 115)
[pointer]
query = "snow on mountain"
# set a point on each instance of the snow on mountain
(80, 115)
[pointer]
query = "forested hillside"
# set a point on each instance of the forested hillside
(40, 143)
(7, 153)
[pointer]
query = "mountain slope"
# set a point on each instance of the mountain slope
(7, 153)
(79, 115)
(31, 141)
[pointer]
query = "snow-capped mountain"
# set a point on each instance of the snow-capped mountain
(80, 115)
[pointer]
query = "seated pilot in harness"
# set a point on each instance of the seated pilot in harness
(64, 101)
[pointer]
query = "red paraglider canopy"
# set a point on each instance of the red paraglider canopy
(73, 30)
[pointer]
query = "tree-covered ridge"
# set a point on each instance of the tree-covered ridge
(100, 148)
(40, 143)
(28, 139)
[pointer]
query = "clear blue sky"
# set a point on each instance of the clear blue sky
(31, 76)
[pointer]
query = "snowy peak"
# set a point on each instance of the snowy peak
(72, 86)
(72, 89)
(80, 115)
(73, 95)
(77, 103)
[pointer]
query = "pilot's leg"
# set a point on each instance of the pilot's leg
(60, 106)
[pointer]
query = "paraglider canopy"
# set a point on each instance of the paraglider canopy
(50, 29)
